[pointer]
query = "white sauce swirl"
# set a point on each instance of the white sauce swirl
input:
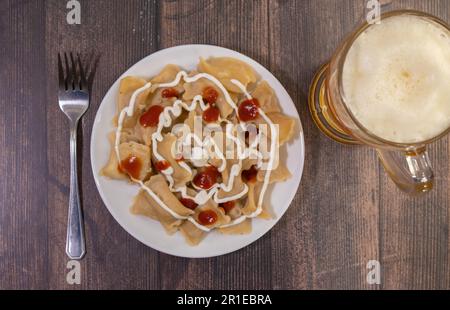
(165, 120)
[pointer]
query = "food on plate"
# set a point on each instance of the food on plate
(202, 145)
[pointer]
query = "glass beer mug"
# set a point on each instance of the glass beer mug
(406, 162)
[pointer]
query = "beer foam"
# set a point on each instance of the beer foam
(396, 79)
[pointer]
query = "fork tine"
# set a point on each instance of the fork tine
(83, 81)
(62, 82)
(76, 71)
(69, 73)
(76, 80)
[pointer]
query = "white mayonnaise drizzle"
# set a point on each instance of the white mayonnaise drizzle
(129, 110)
(165, 120)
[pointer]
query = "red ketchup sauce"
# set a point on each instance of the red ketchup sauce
(207, 217)
(250, 174)
(151, 117)
(170, 93)
(210, 95)
(228, 206)
(248, 110)
(207, 178)
(162, 165)
(211, 114)
(188, 203)
(132, 166)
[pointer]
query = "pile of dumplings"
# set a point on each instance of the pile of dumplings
(133, 149)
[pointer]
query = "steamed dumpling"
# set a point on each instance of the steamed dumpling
(197, 88)
(226, 69)
(138, 157)
(165, 148)
(167, 74)
(111, 169)
(191, 233)
(127, 87)
(145, 204)
(279, 174)
(286, 126)
(240, 229)
(268, 100)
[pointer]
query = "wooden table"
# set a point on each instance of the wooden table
(346, 211)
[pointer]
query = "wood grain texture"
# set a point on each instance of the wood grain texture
(23, 199)
(345, 213)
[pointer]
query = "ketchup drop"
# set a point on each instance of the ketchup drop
(228, 206)
(188, 203)
(210, 95)
(206, 178)
(151, 117)
(207, 217)
(211, 114)
(162, 165)
(248, 110)
(132, 165)
(170, 93)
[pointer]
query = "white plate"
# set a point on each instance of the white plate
(118, 195)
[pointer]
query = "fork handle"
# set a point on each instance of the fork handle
(75, 245)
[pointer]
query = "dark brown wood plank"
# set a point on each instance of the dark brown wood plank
(414, 240)
(242, 26)
(23, 164)
(123, 34)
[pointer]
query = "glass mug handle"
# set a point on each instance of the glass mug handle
(410, 170)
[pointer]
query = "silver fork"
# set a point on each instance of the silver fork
(74, 101)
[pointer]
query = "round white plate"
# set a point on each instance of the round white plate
(118, 195)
